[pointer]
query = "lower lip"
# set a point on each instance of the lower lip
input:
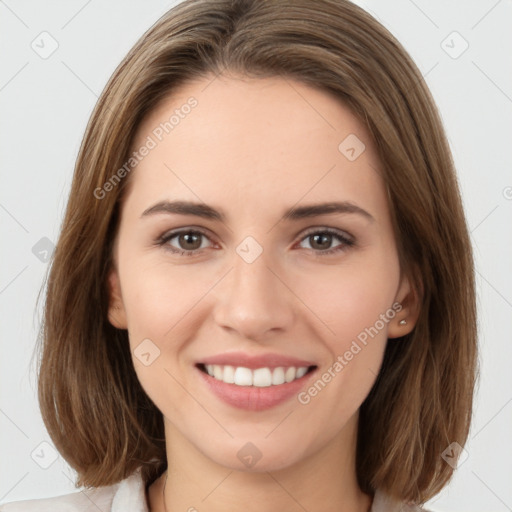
(253, 398)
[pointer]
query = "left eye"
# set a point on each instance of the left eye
(321, 241)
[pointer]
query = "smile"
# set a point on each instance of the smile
(258, 377)
(254, 382)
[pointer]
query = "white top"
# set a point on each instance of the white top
(129, 495)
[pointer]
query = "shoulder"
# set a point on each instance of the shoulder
(99, 499)
(125, 496)
(384, 503)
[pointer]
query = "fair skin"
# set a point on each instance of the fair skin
(253, 148)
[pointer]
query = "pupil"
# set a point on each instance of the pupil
(325, 238)
(188, 239)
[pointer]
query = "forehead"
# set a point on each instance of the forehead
(239, 140)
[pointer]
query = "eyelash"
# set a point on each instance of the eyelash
(346, 242)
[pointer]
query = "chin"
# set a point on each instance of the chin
(258, 456)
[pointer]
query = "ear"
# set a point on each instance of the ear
(116, 311)
(409, 298)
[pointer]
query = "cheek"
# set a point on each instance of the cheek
(358, 314)
(349, 299)
(355, 302)
(162, 312)
(159, 297)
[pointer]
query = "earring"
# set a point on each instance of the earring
(402, 322)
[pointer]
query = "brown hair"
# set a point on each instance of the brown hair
(94, 408)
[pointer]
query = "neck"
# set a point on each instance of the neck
(323, 481)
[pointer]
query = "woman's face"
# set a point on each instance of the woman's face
(227, 283)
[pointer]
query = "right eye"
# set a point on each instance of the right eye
(185, 242)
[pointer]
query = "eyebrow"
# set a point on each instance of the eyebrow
(302, 212)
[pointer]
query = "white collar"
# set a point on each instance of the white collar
(130, 495)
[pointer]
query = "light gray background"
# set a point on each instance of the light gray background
(46, 102)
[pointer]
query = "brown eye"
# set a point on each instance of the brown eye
(321, 241)
(190, 241)
(185, 242)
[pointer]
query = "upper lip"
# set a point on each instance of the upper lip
(268, 360)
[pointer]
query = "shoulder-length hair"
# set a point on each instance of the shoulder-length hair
(93, 406)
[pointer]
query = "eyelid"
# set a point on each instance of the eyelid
(168, 235)
(326, 229)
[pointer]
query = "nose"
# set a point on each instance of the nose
(254, 300)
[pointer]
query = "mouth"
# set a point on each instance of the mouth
(257, 388)
(258, 377)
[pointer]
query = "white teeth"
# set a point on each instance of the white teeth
(229, 374)
(218, 372)
(289, 375)
(243, 376)
(278, 376)
(301, 372)
(260, 377)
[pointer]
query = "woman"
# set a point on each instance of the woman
(263, 288)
